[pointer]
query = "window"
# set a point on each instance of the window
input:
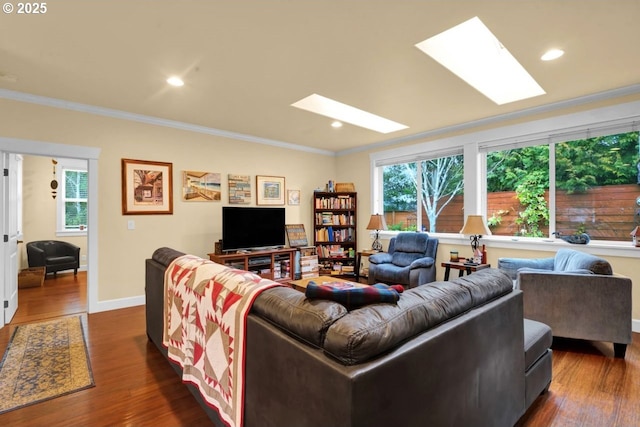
(594, 193)
(72, 196)
(565, 175)
(518, 191)
(432, 187)
(597, 186)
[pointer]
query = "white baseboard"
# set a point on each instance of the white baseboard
(635, 325)
(116, 304)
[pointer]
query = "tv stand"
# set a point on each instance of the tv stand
(274, 264)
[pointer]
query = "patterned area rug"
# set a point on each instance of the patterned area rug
(44, 360)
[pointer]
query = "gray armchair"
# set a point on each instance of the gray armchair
(54, 255)
(410, 261)
(576, 294)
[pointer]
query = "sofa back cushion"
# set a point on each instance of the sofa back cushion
(572, 260)
(372, 330)
(306, 319)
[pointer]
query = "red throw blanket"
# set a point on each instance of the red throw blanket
(205, 326)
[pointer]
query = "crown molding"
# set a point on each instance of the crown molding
(150, 120)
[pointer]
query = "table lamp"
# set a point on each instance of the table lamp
(475, 227)
(376, 222)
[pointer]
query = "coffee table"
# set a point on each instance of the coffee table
(301, 285)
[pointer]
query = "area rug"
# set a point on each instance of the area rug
(44, 360)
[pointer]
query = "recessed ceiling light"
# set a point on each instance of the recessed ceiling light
(336, 124)
(345, 113)
(473, 53)
(175, 81)
(552, 54)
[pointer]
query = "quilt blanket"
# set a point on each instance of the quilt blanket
(205, 324)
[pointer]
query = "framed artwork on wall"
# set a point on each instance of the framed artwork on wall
(147, 187)
(200, 186)
(239, 189)
(269, 190)
(293, 197)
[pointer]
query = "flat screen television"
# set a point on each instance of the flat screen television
(252, 228)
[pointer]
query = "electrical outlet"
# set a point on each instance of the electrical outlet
(83, 257)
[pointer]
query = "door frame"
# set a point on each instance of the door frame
(90, 154)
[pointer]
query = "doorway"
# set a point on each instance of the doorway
(54, 199)
(90, 154)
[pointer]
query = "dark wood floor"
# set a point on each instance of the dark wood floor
(135, 386)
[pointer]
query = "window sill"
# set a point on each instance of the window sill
(74, 233)
(619, 249)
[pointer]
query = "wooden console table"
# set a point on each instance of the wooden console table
(462, 267)
(276, 264)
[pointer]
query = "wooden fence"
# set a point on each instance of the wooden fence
(606, 213)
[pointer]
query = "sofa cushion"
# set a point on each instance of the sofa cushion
(568, 259)
(60, 260)
(537, 340)
(375, 329)
(306, 319)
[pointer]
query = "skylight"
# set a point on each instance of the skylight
(345, 113)
(473, 53)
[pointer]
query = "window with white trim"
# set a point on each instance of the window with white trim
(72, 196)
(426, 194)
(540, 179)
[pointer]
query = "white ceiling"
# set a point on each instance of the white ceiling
(245, 61)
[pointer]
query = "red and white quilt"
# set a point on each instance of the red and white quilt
(205, 327)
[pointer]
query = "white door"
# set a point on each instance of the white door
(10, 203)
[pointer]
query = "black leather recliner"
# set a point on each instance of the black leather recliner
(54, 255)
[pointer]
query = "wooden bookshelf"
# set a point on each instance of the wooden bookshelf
(335, 232)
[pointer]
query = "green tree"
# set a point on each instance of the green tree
(605, 160)
(399, 189)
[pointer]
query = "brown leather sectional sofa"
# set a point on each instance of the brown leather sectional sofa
(449, 353)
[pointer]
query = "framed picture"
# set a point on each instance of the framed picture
(147, 187)
(269, 190)
(293, 197)
(239, 189)
(200, 186)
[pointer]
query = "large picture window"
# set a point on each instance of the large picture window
(535, 180)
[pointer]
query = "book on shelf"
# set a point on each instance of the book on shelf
(344, 201)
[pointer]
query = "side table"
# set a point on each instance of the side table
(359, 256)
(462, 267)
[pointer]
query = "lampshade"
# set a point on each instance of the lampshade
(475, 226)
(377, 222)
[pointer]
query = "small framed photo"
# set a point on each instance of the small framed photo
(147, 187)
(269, 190)
(293, 197)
